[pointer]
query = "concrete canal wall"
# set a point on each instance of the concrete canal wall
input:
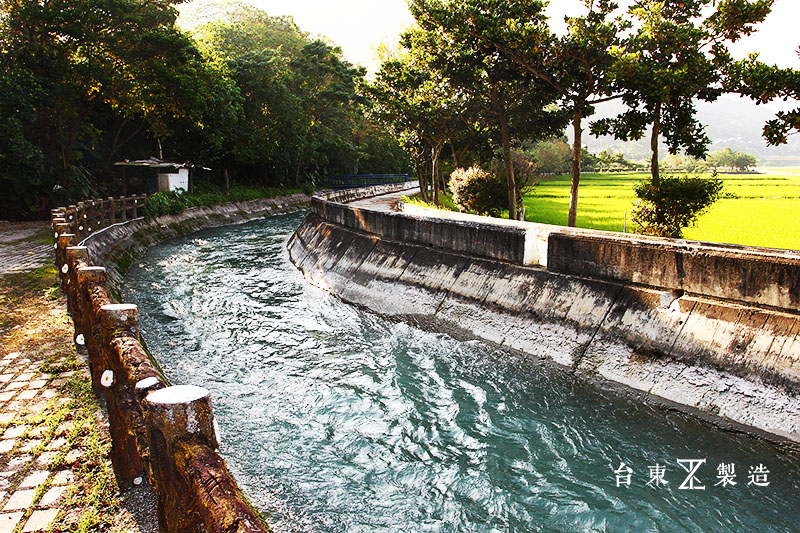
(712, 329)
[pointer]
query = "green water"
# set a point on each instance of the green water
(333, 419)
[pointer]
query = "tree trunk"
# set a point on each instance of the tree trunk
(436, 149)
(654, 145)
(227, 181)
(500, 110)
(419, 165)
(576, 167)
(455, 155)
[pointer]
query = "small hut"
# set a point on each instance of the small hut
(171, 176)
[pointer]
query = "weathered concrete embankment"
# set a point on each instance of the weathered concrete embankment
(712, 329)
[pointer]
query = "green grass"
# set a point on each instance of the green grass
(445, 199)
(761, 210)
(757, 210)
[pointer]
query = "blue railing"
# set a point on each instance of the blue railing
(365, 180)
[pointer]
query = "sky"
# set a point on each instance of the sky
(358, 26)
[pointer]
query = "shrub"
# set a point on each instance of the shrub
(162, 203)
(526, 173)
(476, 190)
(663, 209)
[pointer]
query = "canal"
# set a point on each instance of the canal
(333, 419)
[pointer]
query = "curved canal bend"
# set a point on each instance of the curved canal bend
(333, 419)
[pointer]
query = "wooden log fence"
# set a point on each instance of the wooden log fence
(84, 218)
(165, 434)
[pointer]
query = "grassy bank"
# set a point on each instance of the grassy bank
(34, 324)
(758, 210)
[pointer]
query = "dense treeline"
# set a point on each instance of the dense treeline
(490, 80)
(87, 83)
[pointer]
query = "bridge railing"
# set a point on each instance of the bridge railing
(365, 180)
(161, 433)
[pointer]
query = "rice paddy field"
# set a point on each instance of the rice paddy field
(758, 210)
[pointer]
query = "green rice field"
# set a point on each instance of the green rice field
(764, 209)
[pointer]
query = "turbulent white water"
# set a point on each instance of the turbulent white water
(333, 419)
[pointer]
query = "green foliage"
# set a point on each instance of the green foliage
(674, 59)
(764, 83)
(527, 170)
(478, 191)
(507, 103)
(666, 207)
(727, 158)
(84, 84)
(610, 161)
(163, 203)
(552, 156)
(172, 203)
(302, 117)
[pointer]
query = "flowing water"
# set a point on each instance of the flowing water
(334, 419)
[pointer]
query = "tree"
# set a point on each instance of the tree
(82, 60)
(674, 59)
(764, 83)
(424, 107)
(325, 85)
(244, 29)
(552, 156)
(743, 162)
(575, 66)
(608, 160)
(727, 158)
(302, 114)
(663, 209)
(518, 104)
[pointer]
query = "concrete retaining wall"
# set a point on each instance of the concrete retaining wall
(744, 274)
(610, 307)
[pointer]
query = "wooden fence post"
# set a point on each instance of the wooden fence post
(174, 415)
(92, 278)
(118, 320)
(64, 240)
(74, 256)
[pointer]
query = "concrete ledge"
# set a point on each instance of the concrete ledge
(506, 243)
(749, 275)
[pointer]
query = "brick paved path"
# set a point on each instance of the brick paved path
(31, 486)
(17, 249)
(54, 470)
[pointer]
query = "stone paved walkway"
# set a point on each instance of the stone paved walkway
(19, 247)
(54, 469)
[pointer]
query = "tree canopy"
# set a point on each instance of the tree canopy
(87, 83)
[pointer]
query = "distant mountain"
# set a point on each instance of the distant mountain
(731, 122)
